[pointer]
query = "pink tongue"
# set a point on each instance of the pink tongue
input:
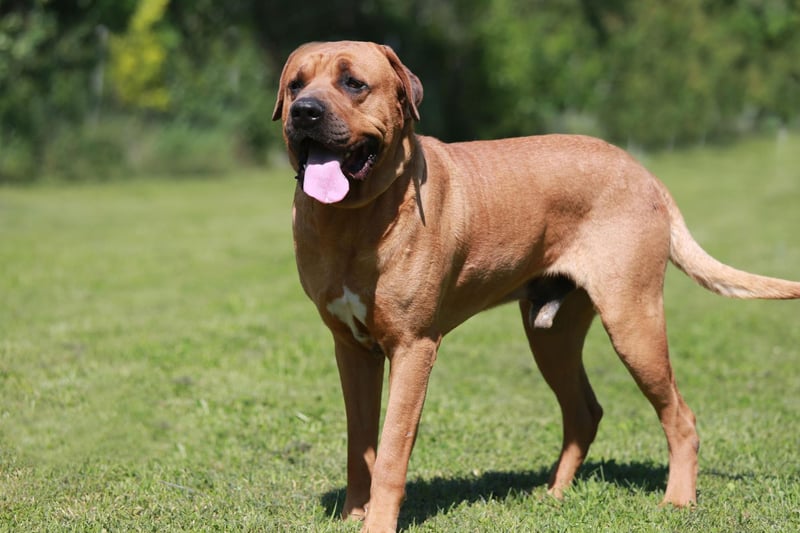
(323, 178)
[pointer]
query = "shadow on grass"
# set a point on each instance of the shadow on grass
(428, 498)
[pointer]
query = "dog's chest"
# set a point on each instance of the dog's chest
(350, 309)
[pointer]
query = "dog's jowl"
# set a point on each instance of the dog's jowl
(399, 238)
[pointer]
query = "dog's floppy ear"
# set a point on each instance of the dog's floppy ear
(412, 87)
(276, 113)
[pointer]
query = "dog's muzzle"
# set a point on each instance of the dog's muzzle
(328, 155)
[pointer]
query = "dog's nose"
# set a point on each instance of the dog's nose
(307, 112)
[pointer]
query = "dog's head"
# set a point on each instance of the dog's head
(345, 106)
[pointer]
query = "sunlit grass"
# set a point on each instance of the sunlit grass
(160, 369)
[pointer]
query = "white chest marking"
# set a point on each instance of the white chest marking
(349, 308)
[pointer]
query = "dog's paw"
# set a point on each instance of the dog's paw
(355, 513)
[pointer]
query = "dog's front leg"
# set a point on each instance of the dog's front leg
(409, 369)
(361, 374)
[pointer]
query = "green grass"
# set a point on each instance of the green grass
(161, 370)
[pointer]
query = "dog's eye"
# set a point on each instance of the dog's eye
(295, 86)
(354, 84)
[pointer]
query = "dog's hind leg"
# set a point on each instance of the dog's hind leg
(633, 315)
(558, 354)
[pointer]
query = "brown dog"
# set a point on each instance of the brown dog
(399, 238)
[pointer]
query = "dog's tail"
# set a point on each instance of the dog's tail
(715, 276)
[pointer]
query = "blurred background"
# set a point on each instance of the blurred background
(103, 89)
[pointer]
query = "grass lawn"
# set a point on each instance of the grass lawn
(161, 370)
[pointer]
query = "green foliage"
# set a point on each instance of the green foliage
(225, 84)
(138, 57)
(541, 62)
(649, 74)
(123, 146)
(182, 150)
(655, 74)
(675, 94)
(770, 32)
(85, 153)
(35, 96)
(110, 89)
